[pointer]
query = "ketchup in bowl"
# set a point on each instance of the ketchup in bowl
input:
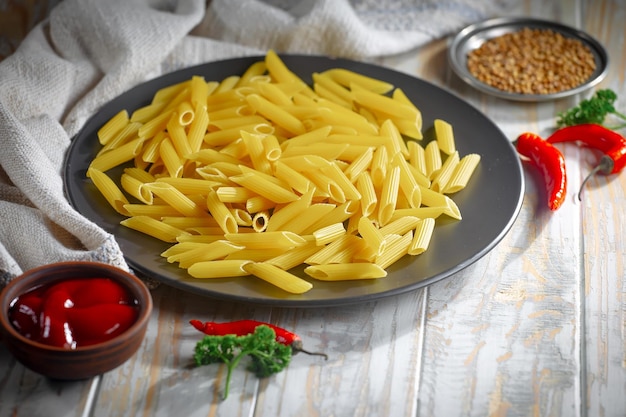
(74, 312)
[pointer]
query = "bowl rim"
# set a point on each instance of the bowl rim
(132, 284)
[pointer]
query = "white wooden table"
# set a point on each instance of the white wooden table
(535, 328)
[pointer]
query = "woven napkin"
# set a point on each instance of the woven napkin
(87, 52)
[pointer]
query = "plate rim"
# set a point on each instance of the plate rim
(306, 303)
(460, 68)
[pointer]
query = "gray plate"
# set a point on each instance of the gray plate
(490, 204)
(473, 36)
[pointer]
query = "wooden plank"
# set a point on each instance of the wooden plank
(604, 216)
(26, 393)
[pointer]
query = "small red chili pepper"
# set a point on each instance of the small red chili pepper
(550, 161)
(595, 136)
(244, 327)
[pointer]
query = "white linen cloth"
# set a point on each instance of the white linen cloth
(89, 51)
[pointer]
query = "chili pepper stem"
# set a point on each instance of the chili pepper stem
(604, 166)
(296, 346)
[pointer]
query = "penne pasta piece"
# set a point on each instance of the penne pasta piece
(444, 136)
(433, 159)
(389, 196)
(422, 236)
(348, 78)
(260, 221)
(199, 92)
(219, 269)
(417, 157)
(259, 203)
(408, 183)
(345, 271)
(176, 199)
(198, 128)
(254, 70)
(462, 174)
(255, 255)
(264, 187)
(369, 198)
(276, 114)
(112, 127)
(128, 132)
(400, 226)
(227, 84)
(189, 186)
(307, 138)
(443, 176)
(338, 177)
(372, 235)
(153, 227)
(221, 213)
(256, 152)
(242, 217)
(323, 255)
(293, 257)
(360, 164)
(329, 234)
(380, 103)
(185, 114)
(109, 190)
(339, 214)
(278, 277)
(266, 240)
(395, 249)
(135, 188)
(171, 159)
(308, 217)
(115, 157)
(234, 194)
(156, 211)
(378, 169)
(292, 210)
(337, 90)
(271, 148)
(398, 94)
(202, 252)
(153, 126)
(395, 144)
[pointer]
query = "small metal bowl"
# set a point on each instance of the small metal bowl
(473, 36)
(82, 362)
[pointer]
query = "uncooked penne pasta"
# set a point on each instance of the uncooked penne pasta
(443, 176)
(462, 173)
(422, 236)
(366, 189)
(444, 136)
(259, 173)
(153, 227)
(117, 156)
(112, 127)
(394, 250)
(224, 268)
(109, 190)
(278, 277)
(346, 271)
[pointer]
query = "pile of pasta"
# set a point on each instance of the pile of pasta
(258, 173)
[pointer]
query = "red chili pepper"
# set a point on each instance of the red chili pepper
(550, 161)
(244, 327)
(608, 141)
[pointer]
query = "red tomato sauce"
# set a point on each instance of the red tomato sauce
(74, 312)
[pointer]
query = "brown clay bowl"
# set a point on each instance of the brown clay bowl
(81, 362)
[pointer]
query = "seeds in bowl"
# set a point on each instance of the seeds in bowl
(532, 61)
